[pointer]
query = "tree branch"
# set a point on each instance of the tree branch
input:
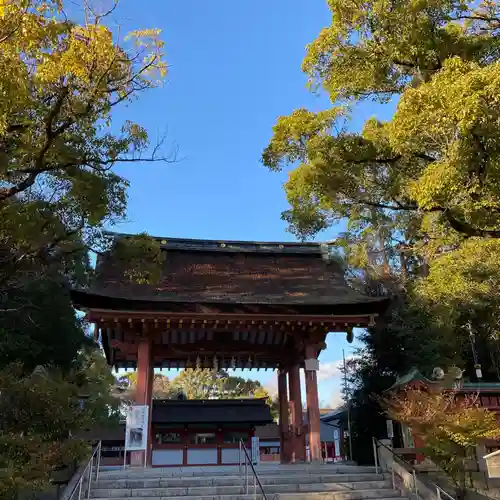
(398, 207)
(467, 229)
(50, 135)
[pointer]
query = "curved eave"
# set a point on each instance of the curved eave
(87, 300)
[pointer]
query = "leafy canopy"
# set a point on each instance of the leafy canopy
(204, 384)
(420, 191)
(430, 175)
(59, 83)
(39, 412)
(38, 326)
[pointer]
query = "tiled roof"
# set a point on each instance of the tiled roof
(414, 375)
(245, 411)
(238, 273)
(269, 431)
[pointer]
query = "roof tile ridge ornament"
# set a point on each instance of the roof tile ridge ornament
(326, 252)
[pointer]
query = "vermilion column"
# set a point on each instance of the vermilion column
(298, 453)
(143, 393)
(283, 404)
(311, 367)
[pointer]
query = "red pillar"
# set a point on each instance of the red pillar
(419, 444)
(143, 393)
(311, 366)
(298, 453)
(284, 434)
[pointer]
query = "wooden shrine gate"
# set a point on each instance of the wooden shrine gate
(230, 305)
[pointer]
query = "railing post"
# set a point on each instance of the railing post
(393, 478)
(90, 478)
(246, 475)
(438, 493)
(98, 461)
(80, 489)
(254, 487)
(415, 483)
(375, 454)
(239, 458)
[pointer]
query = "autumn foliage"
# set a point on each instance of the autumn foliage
(450, 426)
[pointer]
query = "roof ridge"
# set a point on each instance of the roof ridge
(228, 245)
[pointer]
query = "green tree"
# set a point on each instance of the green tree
(275, 407)
(462, 287)
(419, 192)
(161, 384)
(406, 337)
(60, 82)
(39, 412)
(204, 384)
(215, 384)
(38, 327)
(424, 180)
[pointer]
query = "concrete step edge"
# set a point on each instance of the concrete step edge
(231, 490)
(185, 474)
(277, 496)
(223, 468)
(187, 482)
(377, 494)
(349, 486)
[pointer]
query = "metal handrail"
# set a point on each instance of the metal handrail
(87, 474)
(256, 479)
(439, 490)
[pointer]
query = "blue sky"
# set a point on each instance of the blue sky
(234, 68)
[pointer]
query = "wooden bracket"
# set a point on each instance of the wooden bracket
(124, 347)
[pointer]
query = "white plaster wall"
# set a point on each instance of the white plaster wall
(167, 457)
(200, 457)
(230, 456)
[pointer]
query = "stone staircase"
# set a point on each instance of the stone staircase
(283, 482)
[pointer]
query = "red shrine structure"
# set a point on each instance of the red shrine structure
(231, 304)
(486, 394)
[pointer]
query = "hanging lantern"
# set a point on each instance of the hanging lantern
(350, 334)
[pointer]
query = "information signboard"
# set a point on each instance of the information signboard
(136, 431)
(255, 450)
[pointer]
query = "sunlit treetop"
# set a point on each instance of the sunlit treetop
(59, 83)
(428, 178)
(377, 48)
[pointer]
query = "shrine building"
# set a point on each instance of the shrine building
(190, 432)
(230, 305)
(408, 444)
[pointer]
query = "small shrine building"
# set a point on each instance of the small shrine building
(229, 305)
(409, 444)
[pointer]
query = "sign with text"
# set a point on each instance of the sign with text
(136, 431)
(390, 429)
(255, 450)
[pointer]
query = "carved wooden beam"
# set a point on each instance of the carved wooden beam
(298, 320)
(124, 347)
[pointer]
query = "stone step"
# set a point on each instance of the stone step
(316, 496)
(194, 481)
(162, 472)
(239, 488)
(385, 495)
